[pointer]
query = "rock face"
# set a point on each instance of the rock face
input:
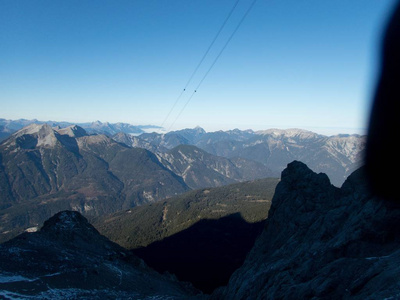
(322, 242)
(69, 259)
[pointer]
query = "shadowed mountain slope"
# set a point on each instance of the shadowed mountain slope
(69, 259)
(145, 224)
(207, 253)
(321, 242)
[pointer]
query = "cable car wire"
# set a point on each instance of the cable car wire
(215, 61)
(226, 44)
(212, 43)
(201, 61)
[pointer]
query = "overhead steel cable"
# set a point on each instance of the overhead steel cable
(215, 60)
(172, 108)
(183, 108)
(212, 43)
(201, 61)
(226, 44)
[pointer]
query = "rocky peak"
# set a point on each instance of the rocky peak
(289, 133)
(29, 129)
(86, 142)
(71, 228)
(67, 223)
(73, 131)
(301, 190)
(322, 242)
(298, 175)
(32, 136)
(69, 259)
(199, 130)
(97, 123)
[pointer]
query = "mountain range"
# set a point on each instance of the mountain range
(8, 127)
(45, 169)
(337, 156)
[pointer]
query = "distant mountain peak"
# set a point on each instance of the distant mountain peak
(199, 129)
(287, 132)
(47, 136)
(195, 131)
(99, 139)
(291, 133)
(34, 135)
(72, 131)
(32, 129)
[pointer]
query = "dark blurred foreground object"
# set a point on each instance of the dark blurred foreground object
(382, 159)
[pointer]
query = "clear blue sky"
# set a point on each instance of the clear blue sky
(292, 63)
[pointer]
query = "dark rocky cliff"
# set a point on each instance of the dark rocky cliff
(322, 242)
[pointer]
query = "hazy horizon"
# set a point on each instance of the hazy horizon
(155, 128)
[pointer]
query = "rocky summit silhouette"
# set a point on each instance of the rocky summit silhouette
(322, 242)
(69, 259)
